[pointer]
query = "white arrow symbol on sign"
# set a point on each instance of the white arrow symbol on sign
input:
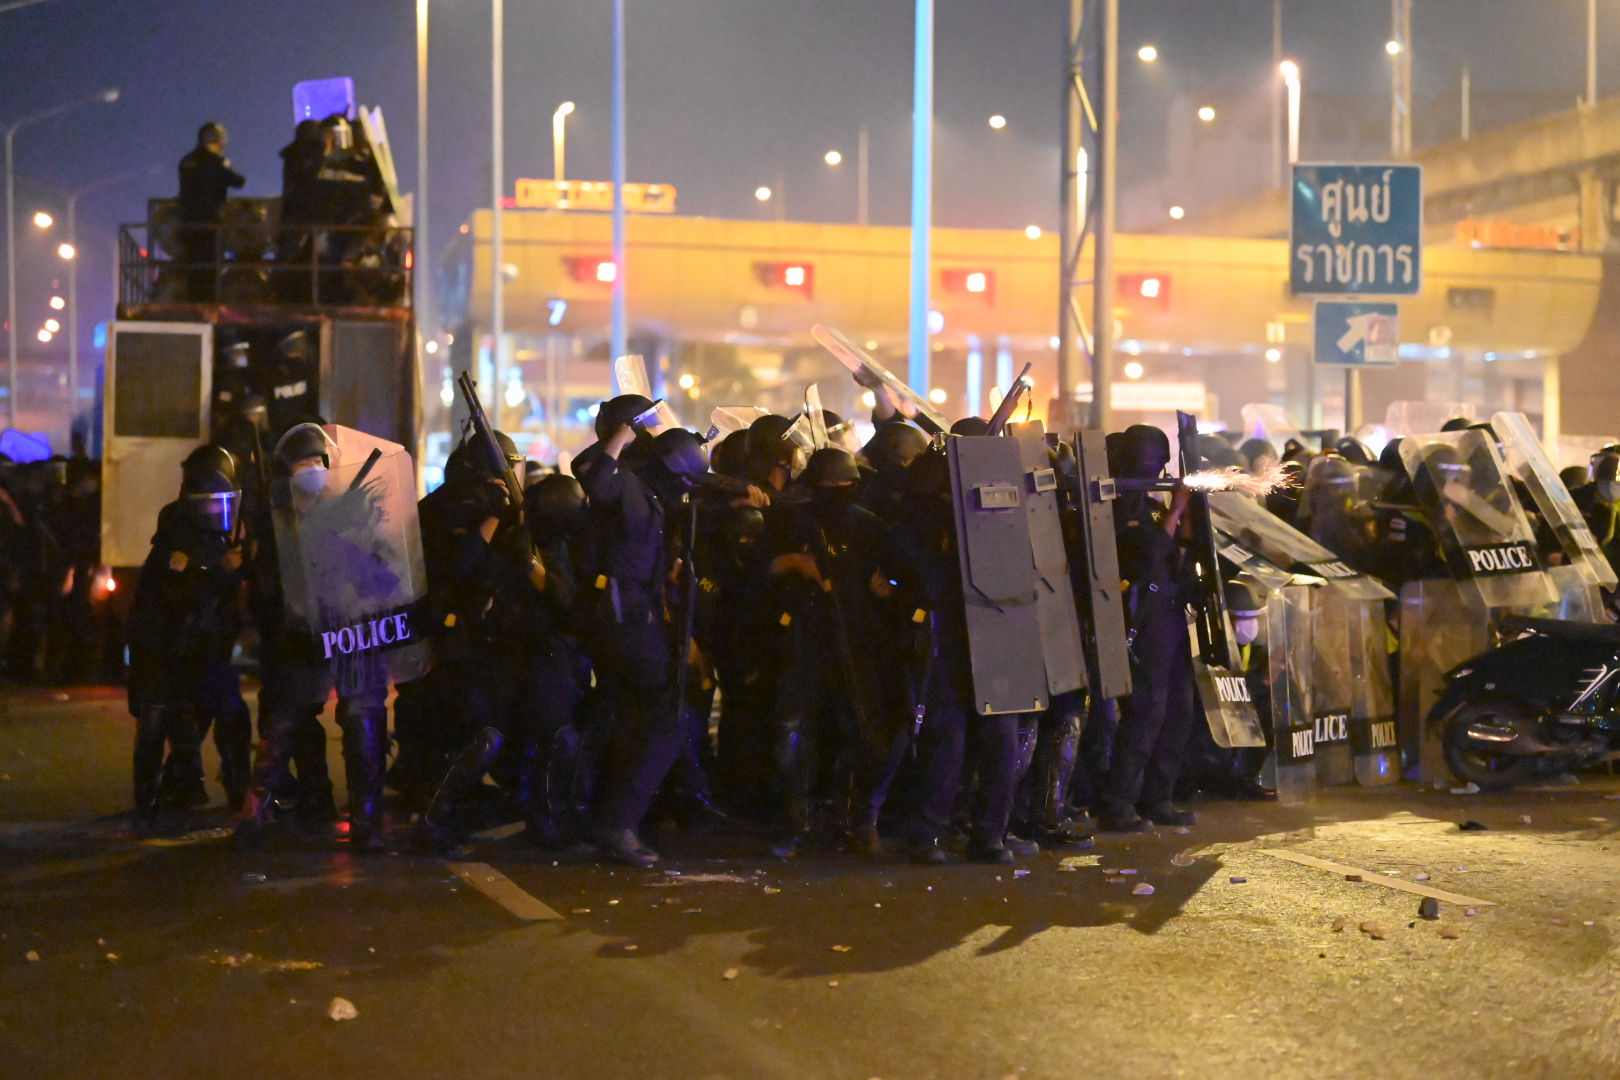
(1360, 329)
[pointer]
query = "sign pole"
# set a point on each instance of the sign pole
(922, 193)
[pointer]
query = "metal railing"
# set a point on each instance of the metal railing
(250, 259)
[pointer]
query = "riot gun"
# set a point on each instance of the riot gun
(1009, 404)
(484, 437)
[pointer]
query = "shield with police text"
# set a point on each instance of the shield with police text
(1288, 653)
(351, 563)
(1095, 563)
(1228, 701)
(998, 575)
(1054, 593)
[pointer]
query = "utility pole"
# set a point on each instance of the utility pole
(497, 172)
(922, 193)
(619, 332)
(1400, 73)
(862, 191)
(1467, 94)
(1102, 284)
(1071, 215)
(1591, 53)
(1279, 169)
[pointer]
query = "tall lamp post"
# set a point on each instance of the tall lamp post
(73, 281)
(497, 280)
(559, 141)
(109, 96)
(619, 332)
(922, 192)
(1290, 74)
(423, 280)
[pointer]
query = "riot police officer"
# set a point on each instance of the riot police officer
(1155, 720)
(181, 629)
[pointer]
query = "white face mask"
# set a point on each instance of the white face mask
(1609, 490)
(1245, 629)
(309, 481)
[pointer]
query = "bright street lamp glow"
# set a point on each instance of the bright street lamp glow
(52, 325)
(687, 381)
(1178, 212)
(976, 282)
(1289, 70)
(833, 157)
(431, 347)
(1033, 232)
(606, 271)
(1393, 48)
(44, 335)
(937, 396)
(43, 220)
(1206, 114)
(793, 277)
(998, 121)
(762, 193)
(565, 109)
(57, 303)
(868, 399)
(66, 251)
(1133, 370)
(1147, 54)
(1273, 355)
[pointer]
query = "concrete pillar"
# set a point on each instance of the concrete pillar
(1595, 212)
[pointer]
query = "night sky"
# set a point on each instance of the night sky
(723, 94)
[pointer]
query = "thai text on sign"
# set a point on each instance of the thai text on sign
(593, 195)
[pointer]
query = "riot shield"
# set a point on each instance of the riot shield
(1332, 690)
(1462, 483)
(351, 566)
(1443, 623)
(998, 575)
(1096, 566)
(1528, 462)
(1229, 708)
(1214, 630)
(1054, 594)
(1288, 652)
(1373, 741)
(1244, 523)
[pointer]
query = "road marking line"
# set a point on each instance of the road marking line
(501, 889)
(1374, 878)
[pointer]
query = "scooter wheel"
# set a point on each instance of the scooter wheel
(1480, 762)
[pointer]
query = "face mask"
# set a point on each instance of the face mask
(1245, 629)
(309, 481)
(1609, 490)
(835, 498)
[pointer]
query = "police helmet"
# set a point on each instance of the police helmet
(554, 504)
(895, 444)
(616, 412)
(971, 425)
(302, 442)
(211, 497)
(1244, 599)
(213, 457)
(831, 465)
(681, 452)
(768, 444)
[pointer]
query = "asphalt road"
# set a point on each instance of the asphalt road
(183, 958)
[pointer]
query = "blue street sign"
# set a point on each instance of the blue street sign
(1357, 230)
(1357, 334)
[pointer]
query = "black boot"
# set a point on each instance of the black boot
(233, 738)
(553, 820)
(148, 770)
(793, 764)
(989, 849)
(365, 762)
(1166, 814)
(433, 829)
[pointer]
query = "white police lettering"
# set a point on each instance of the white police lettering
(388, 630)
(1335, 727)
(1383, 734)
(1231, 688)
(1333, 569)
(1302, 743)
(1505, 559)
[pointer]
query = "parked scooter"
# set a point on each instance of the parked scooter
(1544, 702)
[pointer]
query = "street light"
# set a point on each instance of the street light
(559, 139)
(998, 121)
(1178, 212)
(42, 220)
(1290, 74)
(1393, 48)
(1147, 54)
(762, 193)
(1032, 231)
(107, 96)
(833, 157)
(66, 251)
(1206, 114)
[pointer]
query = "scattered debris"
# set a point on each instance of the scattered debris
(1588, 922)
(1142, 889)
(254, 878)
(1428, 908)
(1181, 858)
(291, 965)
(613, 903)
(672, 900)
(691, 911)
(1560, 922)
(770, 891)
(1469, 788)
(1127, 871)
(1450, 933)
(842, 948)
(112, 958)
(1373, 930)
(1470, 826)
(342, 1009)
(1353, 877)
(630, 948)
(1339, 924)
(1181, 830)
(1379, 879)
(1075, 862)
(832, 982)
(1420, 877)
(1524, 819)
(1470, 912)
(1114, 879)
(1020, 873)
(582, 911)
(729, 973)
(1236, 880)
(31, 956)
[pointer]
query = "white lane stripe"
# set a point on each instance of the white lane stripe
(1372, 878)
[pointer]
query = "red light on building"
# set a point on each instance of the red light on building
(977, 283)
(591, 268)
(798, 276)
(1144, 290)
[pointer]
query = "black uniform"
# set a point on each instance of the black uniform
(206, 180)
